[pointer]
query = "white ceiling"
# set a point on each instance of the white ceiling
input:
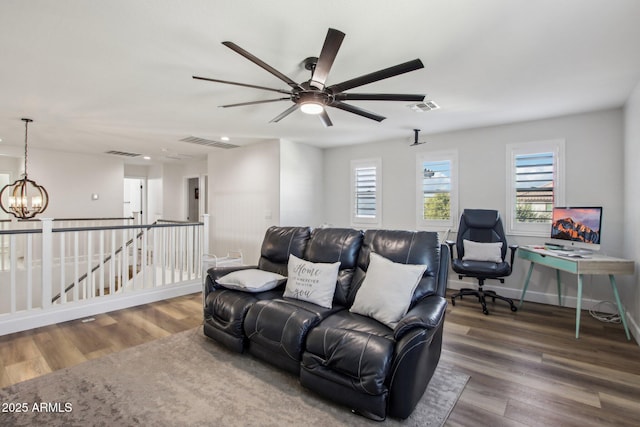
(116, 75)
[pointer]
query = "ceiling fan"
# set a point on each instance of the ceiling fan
(312, 96)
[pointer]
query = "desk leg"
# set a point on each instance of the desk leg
(578, 305)
(526, 285)
(559, 288)
(620, 308)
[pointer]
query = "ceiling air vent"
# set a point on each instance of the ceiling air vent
(424, 106)
(122, 153)
(208, 142)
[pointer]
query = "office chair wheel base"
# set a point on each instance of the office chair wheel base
(485, 311)
(514, 308)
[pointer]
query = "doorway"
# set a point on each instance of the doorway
(193, 199)
(134, 198)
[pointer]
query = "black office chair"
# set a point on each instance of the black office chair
(481, 232)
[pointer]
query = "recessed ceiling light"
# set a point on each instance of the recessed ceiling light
(225, 138)
(147, 158)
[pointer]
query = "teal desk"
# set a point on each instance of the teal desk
(591, 264)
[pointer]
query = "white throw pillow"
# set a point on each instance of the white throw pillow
(312, 282)
(387, 289)
(251, 280)
(476, 251)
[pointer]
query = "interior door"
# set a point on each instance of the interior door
(193, 199)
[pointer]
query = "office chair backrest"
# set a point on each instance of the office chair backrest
(480, 225)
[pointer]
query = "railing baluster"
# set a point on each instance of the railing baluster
(101, 265)
(173, 259)
(125, 261)
(153, 261)
(163, 250)
(47, 262)
(89, 257)
(76, 267)
(63, 269)
(13, 265)
(112, 265)
(135, 260)
(29, 268)
(144, 258)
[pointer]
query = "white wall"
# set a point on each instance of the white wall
(71, 179)
(632, 204)
(173, 200)
(244, 197)
(301, 184)
(594, 176)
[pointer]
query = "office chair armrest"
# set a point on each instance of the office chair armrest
(513, 248)
(451, 244)
(428, 313)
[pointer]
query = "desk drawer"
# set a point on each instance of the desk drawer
(559, 263)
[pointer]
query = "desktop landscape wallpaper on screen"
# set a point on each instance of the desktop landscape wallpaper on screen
(577, 224)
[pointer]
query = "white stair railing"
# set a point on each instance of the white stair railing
(50, 273)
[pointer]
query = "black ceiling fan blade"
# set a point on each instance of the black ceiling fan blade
(379, 97)
(255, 102)
(261, 64)
(357, 110)
(396, 70)
(242, 84)
(284, 114)
(324, 118)
(327, 55)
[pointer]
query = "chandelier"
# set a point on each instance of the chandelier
(24, 198)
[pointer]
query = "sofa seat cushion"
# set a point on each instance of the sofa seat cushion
(227, 309)
(351, 350)
(281, 325)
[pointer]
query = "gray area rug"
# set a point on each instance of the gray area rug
(188, 380)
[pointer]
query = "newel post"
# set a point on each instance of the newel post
(205, 234)
(47, 261)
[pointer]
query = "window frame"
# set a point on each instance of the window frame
(555, 146)
(433, 224)
(359, 164)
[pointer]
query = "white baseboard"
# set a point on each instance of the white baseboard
(62, 313)
(634, 328)
(532, 295)
(544, 298)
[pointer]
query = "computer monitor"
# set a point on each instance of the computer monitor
(577, 227)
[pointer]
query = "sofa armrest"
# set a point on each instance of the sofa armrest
(426, 314)
(215, 273)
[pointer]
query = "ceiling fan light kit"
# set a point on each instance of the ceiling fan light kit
(313, 96)
(311, 108)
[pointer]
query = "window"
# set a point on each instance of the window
(365, 191)
(437, 190)
(536, 184)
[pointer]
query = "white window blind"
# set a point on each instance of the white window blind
(437, 190)
(534, 187)
(365, 191)
(536, 178)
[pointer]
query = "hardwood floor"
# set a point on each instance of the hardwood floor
(526, 368)
(29, 354)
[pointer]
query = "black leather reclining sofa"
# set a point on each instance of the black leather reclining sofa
(346, 357)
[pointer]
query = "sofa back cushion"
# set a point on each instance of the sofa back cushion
(278, 244)
(329, 245)
(406, 247)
